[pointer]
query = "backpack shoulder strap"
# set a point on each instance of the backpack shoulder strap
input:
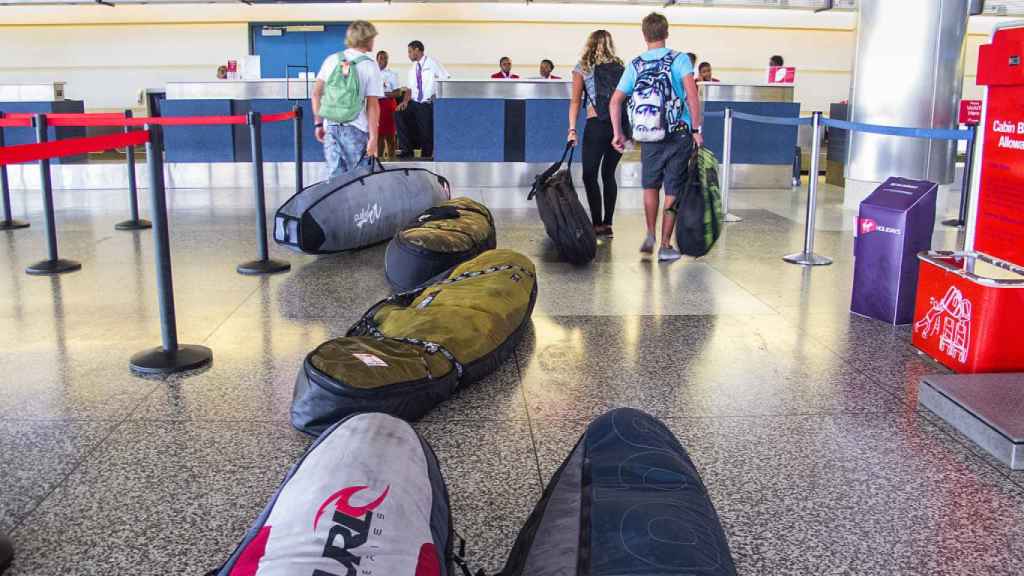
(669, 59)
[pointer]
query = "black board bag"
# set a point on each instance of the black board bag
(565, 220)
(628, 501)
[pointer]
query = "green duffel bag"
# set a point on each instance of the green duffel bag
(439, 239)
(411, 351)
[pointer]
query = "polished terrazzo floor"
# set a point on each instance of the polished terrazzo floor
(801, 418)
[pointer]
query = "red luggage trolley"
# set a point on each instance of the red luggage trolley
(969, 313)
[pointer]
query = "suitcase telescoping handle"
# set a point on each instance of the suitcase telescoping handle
(570, 152)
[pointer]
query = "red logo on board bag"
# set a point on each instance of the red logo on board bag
(351, 525)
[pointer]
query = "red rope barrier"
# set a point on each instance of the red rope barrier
(15, 121)
(24, 119)
(70, 147)
(278, 117)
(143, 120)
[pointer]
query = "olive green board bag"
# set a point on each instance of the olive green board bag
(413, 350)
(439, 239)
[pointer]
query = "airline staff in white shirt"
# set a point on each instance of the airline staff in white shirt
(415, 116)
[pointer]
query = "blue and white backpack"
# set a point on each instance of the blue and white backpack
(655, 110)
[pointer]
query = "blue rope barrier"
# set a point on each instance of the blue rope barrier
(778, 120)
(931, 134)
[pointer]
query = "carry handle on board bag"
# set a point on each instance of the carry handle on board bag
(570, 151)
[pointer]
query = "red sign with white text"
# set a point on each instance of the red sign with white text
(970, 111)
(999, 230)
(781, 75)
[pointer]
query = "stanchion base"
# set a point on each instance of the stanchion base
(13, 224)
(58, 266)
(160, 361)
(730, 217)
(260, 267)
(953, 223)
(807, 259)
(140, 224)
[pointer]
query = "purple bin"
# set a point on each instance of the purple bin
(895, 223)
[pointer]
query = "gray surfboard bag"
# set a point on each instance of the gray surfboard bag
(368, 497)
(362, 207)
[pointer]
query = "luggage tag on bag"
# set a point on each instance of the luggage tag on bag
(426, 301)
(371, 360)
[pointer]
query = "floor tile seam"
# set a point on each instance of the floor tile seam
(735, 416)
(45, 420)
(85, 457)
(872, 380)
(973, 450)
(670, 314)
(231, 314)
(529, 419)
(168, 420)
(849, 362)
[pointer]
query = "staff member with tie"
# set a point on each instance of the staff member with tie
(415, 115)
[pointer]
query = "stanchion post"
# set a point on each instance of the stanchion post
(171, 356)
(53, 264)
(8, 223)
(298, 148)
(808, 257)
(134, 223)
(965, 186)
(264, 265)
(727, 167)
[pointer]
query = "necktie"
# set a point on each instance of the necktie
(419, 82)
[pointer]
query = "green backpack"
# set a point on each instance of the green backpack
(342, 100)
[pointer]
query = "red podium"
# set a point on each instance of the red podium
(969, 313)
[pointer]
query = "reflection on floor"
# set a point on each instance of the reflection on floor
(802, 419)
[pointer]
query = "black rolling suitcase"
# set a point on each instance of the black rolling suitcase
(565, 220)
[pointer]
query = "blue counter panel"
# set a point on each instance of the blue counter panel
(469, 130)
(14, 136)
(199, 143)
(547, 127)
(754, 143)
(279, 137)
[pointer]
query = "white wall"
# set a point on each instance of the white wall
(107, 54)
(107, 65)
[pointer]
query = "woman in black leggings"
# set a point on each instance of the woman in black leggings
(591, 84)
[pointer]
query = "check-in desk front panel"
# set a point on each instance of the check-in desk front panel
(762, 154)
(231, 143)
(14, 136)
(502, 120)
(752, 143)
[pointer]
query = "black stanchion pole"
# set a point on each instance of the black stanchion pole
(171, 356)
(53, 264)
(298, 148)
(8, 223)
(264, 265)
(965, 186)
(135, 223)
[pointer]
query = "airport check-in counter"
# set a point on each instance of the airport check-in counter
(762, 154)
(502, 120)
(40, 98)
(230, 143)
